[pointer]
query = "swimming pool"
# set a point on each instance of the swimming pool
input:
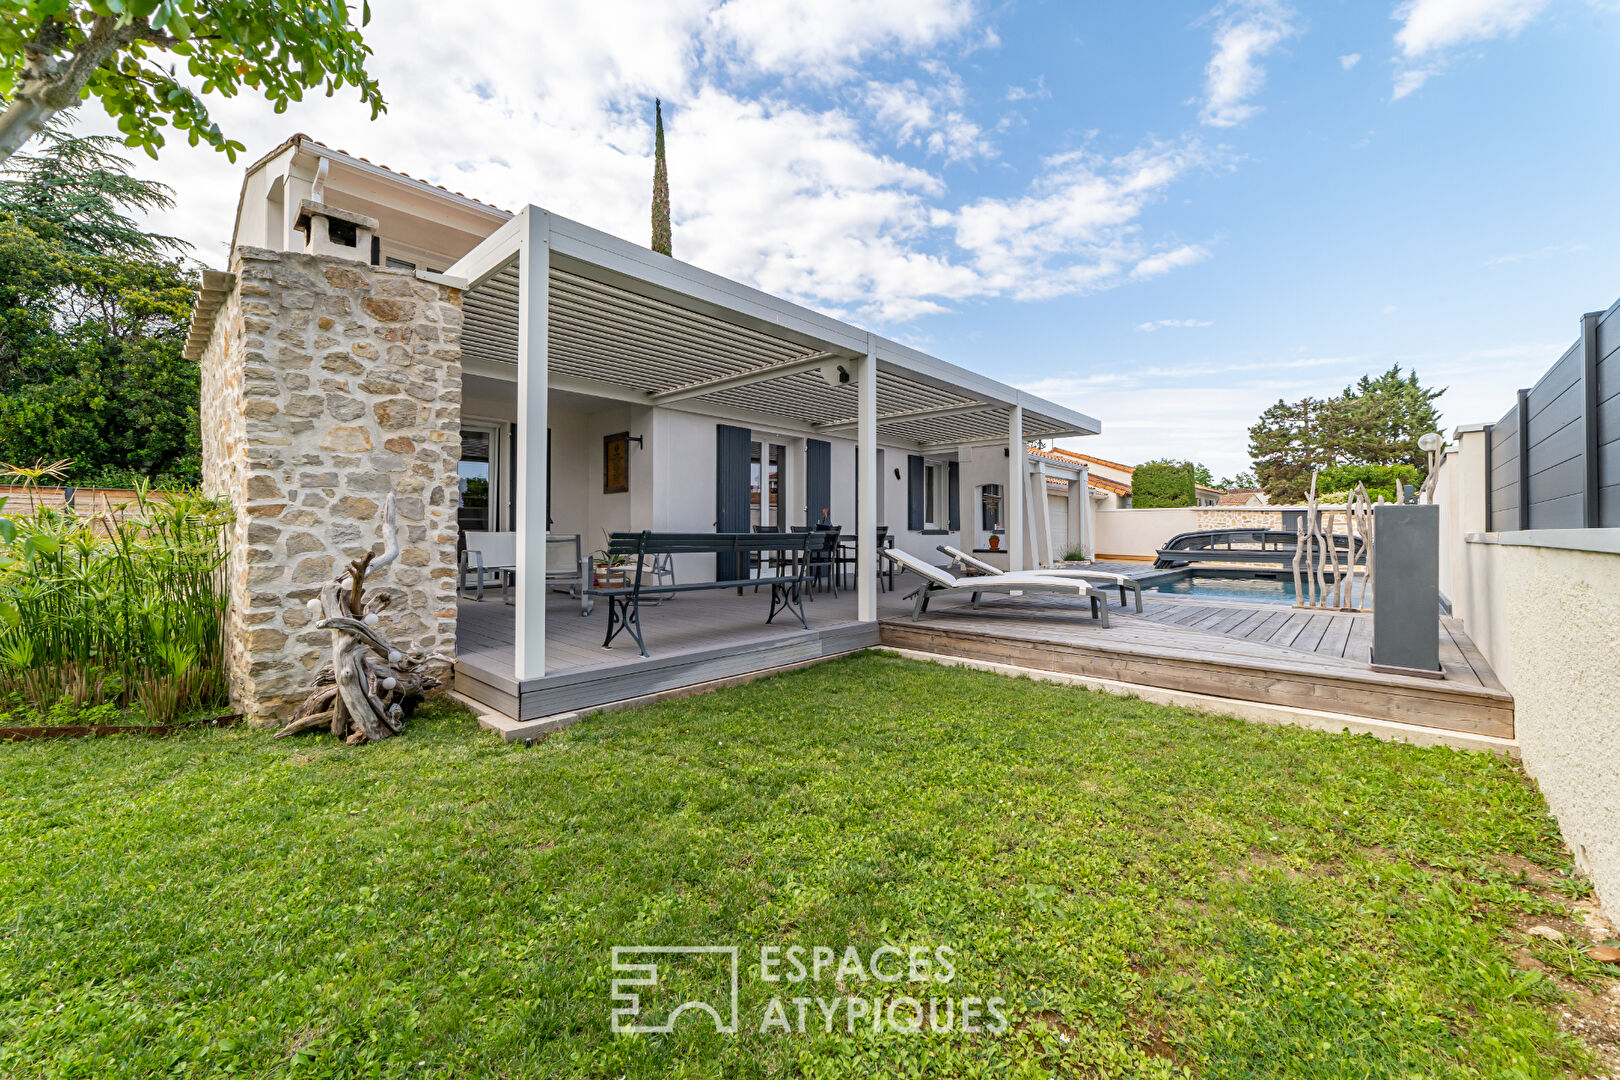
(1263, 588)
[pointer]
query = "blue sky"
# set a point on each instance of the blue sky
(1167, 215)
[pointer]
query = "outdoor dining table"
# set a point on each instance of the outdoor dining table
(849, 540)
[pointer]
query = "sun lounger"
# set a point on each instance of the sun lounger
(1098, 577)
(936, 581)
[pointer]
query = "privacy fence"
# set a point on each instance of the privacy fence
(1554, 459)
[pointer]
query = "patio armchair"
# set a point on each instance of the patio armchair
(936, 582)
(494, 554)
(962, 559)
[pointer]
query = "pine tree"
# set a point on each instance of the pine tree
(660, 200)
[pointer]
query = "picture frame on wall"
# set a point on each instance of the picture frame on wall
(616, 463)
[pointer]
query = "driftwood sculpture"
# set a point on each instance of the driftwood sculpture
(370, 685)
(1320, 581)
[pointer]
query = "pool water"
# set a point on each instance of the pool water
(1251, 590)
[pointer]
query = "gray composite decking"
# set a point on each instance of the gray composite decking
(1257, 652)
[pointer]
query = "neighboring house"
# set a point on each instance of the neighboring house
(1111, 481)
(671, 399)
(1244, 497)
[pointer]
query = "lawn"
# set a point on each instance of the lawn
(1148, 890)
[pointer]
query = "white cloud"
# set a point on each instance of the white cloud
(823, 39)
(1349, 60)
(1165, 261)
(1431, 27)
(1246, 31)
(1149, 327)
(1077, 230)
(929, 115)
(1549, 252)
(1038, 92)
(804, 194)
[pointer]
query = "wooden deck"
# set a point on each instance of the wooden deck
(692, 638)
(1249, 652)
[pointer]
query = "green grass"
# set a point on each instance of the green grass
(1152, 891)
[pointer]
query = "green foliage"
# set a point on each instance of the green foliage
(1379, 479)
(1201, 473)
(122, 606)
(93, 318)
(1242, 481)
(1163, 483)
(1377, 421)
(662, 240)
(1154, 891)
(277, 48)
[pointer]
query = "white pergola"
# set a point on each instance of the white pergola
(674, 333)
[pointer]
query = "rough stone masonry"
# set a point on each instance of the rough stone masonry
(326, 383)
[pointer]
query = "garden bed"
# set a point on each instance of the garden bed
(86, 731)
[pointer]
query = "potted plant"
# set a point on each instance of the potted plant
(608, 571)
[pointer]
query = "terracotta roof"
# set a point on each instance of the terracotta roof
(1071, 456)
(1209, 490)
(1114, 486)
(1239, 496)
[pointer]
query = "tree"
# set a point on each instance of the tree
(1243, 481)
(661, 236)
(1201, 473)
(54, 53)
(1163, 483)
(1380, 420)
(1377, 421)
(93, 318)
(1285, 447)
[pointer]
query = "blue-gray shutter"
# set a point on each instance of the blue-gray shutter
(953, 496)
(731, 491)
(914, 493)
(817, 481)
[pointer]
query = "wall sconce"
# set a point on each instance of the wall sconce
(897, 474)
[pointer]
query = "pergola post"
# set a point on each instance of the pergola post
(533, 372)
(1042, 505)
(866, 585)
(1013, 510)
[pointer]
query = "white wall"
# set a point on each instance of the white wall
(1548, 620)
(1139, 533)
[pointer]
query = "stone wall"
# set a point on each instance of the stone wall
(326, 384)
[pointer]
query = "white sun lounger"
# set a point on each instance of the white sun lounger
(935, 581)
(1099, 577)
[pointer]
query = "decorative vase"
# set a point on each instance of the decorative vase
(995, 542)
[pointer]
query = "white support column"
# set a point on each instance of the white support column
(1079, 513)
(795, 495)
(1042, 505)
(866, 519)
(533, 369)
(1013, 510)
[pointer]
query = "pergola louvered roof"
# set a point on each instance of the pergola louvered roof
(644, 323)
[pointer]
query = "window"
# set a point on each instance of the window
(480, 472)
(398, 264)
(475, 512)
(767, 476)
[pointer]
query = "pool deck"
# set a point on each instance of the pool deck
(1270, 654)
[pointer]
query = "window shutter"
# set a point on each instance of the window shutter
(953, 496)
(817, 482)
(914, 493)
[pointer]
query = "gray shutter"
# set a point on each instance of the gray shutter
(953, 496)
(914, 493)
(731, 490)
(817, 481)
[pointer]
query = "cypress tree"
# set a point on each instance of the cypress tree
(660, 200)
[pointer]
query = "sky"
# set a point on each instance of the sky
(1166, 215)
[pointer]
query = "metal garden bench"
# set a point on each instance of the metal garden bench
(786, 574)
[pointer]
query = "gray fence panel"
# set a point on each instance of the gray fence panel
(1504, 478)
